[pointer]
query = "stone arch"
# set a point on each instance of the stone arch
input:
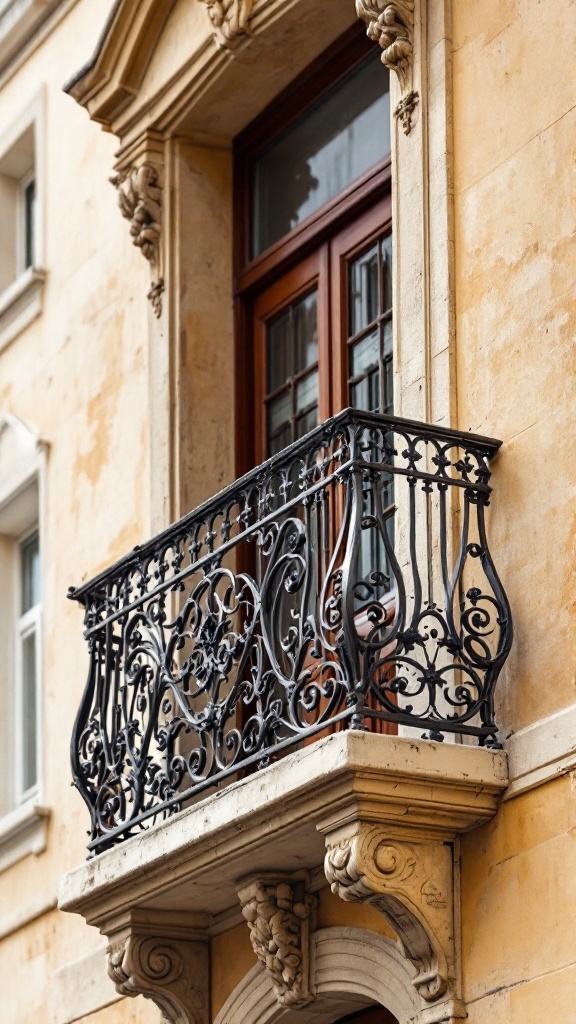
(351, 969)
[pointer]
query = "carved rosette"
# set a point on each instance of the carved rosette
(278, 913)
(161, 969)
(411, 884)
(390, 23)
(140, 201)
(229, 19)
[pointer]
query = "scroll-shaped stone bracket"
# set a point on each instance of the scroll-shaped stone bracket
(164, 962)
(140, 192)
(279, 912)
(230, 19)
(390, 23)
(411, 883)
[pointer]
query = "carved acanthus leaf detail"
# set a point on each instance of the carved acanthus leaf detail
(390, 23)
(140, 201)
(410, 886)
(278, 914)
(230, 19)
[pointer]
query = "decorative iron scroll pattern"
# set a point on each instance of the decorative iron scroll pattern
(347, 579)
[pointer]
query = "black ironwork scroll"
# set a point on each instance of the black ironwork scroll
(345, 580)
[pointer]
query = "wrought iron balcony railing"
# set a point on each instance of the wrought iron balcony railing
(344, 583)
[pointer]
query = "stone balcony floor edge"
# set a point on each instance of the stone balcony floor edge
(419, 789)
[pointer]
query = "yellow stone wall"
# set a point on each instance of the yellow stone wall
(519, 908)
(514, 130)
(79, 376)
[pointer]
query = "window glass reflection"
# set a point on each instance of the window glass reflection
(340, 138)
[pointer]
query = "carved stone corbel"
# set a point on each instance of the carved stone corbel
(140, 201)
(229, 19)
(162, 964)
(411, 884)
(390, 23)
(278, 912)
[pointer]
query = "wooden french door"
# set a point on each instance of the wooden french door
(313, 222)
(323, 334)
(323, 341)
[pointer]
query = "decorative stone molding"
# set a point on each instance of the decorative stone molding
(390, 23)
(140, 201)
(404, 110)
(352, 967)
(155, 296)
(278, 912)
(411, 884)
(230, 19)
(162, 963)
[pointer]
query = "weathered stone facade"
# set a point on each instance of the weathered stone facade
(122, 370)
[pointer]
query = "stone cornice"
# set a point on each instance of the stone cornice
(110, 79)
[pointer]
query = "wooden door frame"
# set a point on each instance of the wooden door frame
(252, 277)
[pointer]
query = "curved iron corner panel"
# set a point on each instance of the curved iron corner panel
(343, 583)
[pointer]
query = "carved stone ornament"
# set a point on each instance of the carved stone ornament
(140, 201)
(405, 109)
(390, 23)
(161, 969)
(155, 295)
(278, 914)
(411, 884)
(230, 19)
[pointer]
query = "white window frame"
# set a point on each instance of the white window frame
(26, 624)
(21, 299)
(23, 818)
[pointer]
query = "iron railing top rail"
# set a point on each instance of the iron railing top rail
(480, 443)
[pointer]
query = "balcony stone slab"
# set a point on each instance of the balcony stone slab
(416, 791)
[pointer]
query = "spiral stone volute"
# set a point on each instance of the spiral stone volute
(168, 967)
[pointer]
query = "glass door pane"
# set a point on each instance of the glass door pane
(292, 373)
(370, 382)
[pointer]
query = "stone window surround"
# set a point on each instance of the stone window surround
(23, 829)
(21, 300)
(424, 331)
(165, 127)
